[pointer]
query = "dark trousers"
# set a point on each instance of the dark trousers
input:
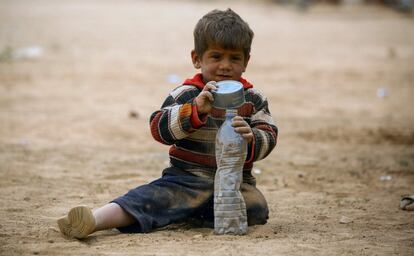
(180, 196)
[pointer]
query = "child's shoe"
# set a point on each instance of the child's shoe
(79, 222)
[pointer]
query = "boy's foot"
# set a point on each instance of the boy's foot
(79, 222)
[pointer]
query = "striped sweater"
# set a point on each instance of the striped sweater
(192, 137)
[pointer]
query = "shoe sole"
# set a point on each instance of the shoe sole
(79, 222)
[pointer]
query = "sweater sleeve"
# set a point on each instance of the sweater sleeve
(264, 129)
(177, 117)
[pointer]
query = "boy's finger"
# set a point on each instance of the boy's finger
(212, 83)
(245, 130)
(210, 86)
(239, 119)
(209, 96)
(238, 123)
(248, 137)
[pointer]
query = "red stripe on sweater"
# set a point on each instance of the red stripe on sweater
(192, 157)
(218, 113)
(264, 127)
(245, 110)
(199, 159)
(196, 120)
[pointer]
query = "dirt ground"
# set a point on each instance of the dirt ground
(74, 123)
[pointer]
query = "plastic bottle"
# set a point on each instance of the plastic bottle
(229, 207)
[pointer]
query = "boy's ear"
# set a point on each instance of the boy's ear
(246, 61)
(196, 59)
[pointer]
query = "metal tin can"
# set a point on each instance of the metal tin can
(229, 94)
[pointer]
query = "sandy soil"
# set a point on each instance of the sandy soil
(67, 136)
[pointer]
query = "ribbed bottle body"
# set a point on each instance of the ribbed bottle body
(229, 207)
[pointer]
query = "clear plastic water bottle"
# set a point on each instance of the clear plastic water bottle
(229, 207)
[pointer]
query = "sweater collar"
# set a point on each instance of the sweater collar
(197, 81)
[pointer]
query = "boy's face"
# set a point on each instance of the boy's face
(219, 64)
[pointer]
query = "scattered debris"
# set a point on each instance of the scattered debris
(7, 54)
(285, 184)
(381, 92)
(345, 220)
(322, 217)
(257, 171)
(133, 114)
(392, 53)
(404, 163)
(173, 79)
(385, 178)
(31, 52)
(54, 229)
(407, 203)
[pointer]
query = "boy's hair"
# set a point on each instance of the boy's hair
(224, 28)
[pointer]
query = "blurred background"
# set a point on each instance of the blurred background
(80, 79)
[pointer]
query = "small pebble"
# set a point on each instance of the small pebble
(257, 171)
(385, 178)
(322, 217)
(133, 114)
(345, 220)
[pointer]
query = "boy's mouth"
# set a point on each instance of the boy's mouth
(224, 77)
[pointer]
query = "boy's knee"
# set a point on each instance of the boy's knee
(257, 213)
(256, 205)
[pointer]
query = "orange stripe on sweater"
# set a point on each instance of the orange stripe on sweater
(185, 110)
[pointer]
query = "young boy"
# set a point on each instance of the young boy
(188, 122)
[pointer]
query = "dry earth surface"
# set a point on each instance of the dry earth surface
(74, 123)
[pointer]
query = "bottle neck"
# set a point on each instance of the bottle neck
(231, 112)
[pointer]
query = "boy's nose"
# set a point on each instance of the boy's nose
(225, 64)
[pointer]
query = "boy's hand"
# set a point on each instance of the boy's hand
(205, 98)
(243, 128)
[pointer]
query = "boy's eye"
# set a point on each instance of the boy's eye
(236, 58)
(215, 56)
